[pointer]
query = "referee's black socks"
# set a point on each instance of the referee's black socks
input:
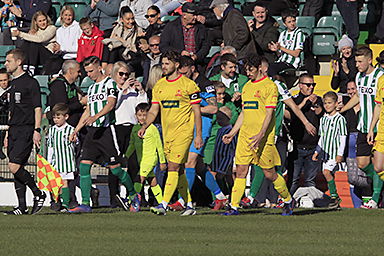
(21, 189)
(25, 177)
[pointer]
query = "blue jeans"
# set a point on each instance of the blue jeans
(304, 163)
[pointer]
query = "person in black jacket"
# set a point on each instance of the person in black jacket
(178, 34)
(156, 26)
(264, 29)
(4, 105)
(345, 67)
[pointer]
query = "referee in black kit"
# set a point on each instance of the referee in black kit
(24, 130)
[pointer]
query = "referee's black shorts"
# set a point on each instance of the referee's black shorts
(362, 146)
(100, 145)
(20, 143)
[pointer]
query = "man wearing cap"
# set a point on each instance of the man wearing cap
(186, 36)
(236, 32)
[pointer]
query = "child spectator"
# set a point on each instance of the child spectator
(333, 135)
(8, 20)
(61, 152)
(90, 41)
(224, 153)
(147, 150)
(288, 47)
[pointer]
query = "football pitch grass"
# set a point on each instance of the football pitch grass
(254, 232)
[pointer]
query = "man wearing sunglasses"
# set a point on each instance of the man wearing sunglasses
(312, 107)
(152, 58)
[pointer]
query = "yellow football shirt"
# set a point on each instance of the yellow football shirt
(257, 96)
(175, 98)
(379, 99)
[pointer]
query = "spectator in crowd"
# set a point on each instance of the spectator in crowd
(104, 14)
(379, 35)
(289, 45)
(168, 6)
(27, 10)
(24, 131)
(313, 8)
(305, 143)
(211, 22)
(345, 67)
(264, 29)
(367, 80)
(232, 80)
(155, 74)
(213, 67)
(350, 13)
(90, 41)
(39, 44)
(152, 58)
(235, 29)
(130, 93)
(139, 9)
(186, 36)
(380, 60)
(7, 20)
(156, 26)
(121, 46)
(4, 106)
(68, 34)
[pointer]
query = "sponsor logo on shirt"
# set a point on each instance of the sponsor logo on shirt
(178, 93)
(367, 90)
(97, 97)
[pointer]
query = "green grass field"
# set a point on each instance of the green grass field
(254, 232)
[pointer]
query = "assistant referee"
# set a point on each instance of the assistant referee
(24, 130)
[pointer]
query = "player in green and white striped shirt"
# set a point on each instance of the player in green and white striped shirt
(61, 151)
(366, 82)
(289, 45)
(100, 141)
(333, 136)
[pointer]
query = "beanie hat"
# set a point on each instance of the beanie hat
(345, 41)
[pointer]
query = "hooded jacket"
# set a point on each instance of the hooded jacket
(90, 45)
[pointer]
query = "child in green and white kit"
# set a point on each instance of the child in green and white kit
(149, 151)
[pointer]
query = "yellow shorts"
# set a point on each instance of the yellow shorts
(378, 146)
(265, 156)
(176, 151)
(147, 170)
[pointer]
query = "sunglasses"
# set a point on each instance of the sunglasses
(124, 74)
(153, 45)
(310, 84)
(150, 16)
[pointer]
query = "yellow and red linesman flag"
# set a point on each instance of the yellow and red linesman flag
(48, 178)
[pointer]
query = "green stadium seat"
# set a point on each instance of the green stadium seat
(169, 18)
(363, 14)
(76, 1)
(335, 11)
(44, 91)
(280, 22)
(306, 24)
(330, 23)
(57, 7)
(3, 51)
(250, 1)
(213, 50)
(247, 18)
(237, 6)
(43, 81)
(140, 79)
(324, 44)
(79, 8)
(85, 84)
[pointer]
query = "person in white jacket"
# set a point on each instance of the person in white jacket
(68, 34)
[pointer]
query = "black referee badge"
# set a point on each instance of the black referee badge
(17, 97)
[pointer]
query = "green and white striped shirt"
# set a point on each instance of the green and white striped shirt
(366, 87)
(284, 94)
(61, 152)
(293, 40)
(331, 129)
(98, 94)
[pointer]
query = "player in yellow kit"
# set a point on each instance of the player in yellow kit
(256, 138)
(378, 142)
(177, 99)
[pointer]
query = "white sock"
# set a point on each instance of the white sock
(251, 199)
(189, 204)
(181, 201)
(165, 204)
(220, 196)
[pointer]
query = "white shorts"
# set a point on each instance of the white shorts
(67, 175)
(329, 164)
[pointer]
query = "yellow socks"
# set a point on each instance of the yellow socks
(156, 190)
(170, 187)
(183, 188)
(381, 175)
(238, 191)
(281, 188)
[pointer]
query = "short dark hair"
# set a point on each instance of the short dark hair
(331, 95)
(228, 57)
(186, 61)
(364, 51)
(85, 20)
(124, 10)
(261, 4)
(4, 71)
(288, 13)
(218, 84)
(60, 109)
(143, 107)
(91, 60)
(172, 56)
(155, 8)
(253, 60)
(305, 75)
(17, 54)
